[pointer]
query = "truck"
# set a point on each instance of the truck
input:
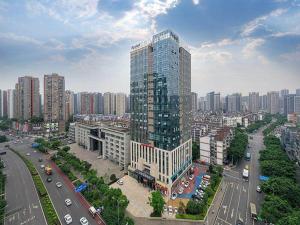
(246, 174)
(253, 211)
(48, 170)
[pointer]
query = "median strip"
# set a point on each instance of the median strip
(48, 208)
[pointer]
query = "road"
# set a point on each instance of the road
(238, 193)
(23, 205)
(58, 195)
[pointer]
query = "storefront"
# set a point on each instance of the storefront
(144, 178)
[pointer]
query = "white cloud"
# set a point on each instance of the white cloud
(292, 56)
(200, 55)
(19, 38)
(250, 27)
(196, 2)
(250, 48)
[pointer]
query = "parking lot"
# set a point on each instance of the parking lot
(104, 167)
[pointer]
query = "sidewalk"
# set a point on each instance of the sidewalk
(216, 204)
(83, 201)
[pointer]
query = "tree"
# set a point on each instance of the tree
(157, 202)
(195, 151)
(3, 138)
(291, 219)
(66, 168)
(274, 208)
(194, 207)
(181, 208)
(278, 168)
(238, 145)
(66, 148)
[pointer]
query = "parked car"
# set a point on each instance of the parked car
(186, 184)
(258, 189)
(58, 184)
(174, 196)
(68, 218)
(28, 154)
(180, 191)
(68, 202)
(40, 160)
(191, 177)
(120, 182)
(49, 179)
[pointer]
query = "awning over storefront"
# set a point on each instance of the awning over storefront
(144, 175)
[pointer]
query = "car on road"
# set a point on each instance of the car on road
(239, 222)
(42, 166)
(49, 179)
(58, 184)
(40, 160)
(120, 182)
(28, 154)
(68, 218)
(68, 202)
(174, 196)
(258, 189)
(84, 221)
(99, 157)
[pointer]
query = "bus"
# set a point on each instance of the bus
(253, 211)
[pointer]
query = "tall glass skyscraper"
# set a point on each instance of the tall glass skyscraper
(160, 102)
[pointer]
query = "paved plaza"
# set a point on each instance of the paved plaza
(104, 167)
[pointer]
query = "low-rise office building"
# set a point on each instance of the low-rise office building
(112, 141)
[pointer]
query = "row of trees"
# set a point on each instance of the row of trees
(44, 145)
(238, 145)
(98, 193)
(282, 200)
(2, 192)
(258, 124)
(280, 120)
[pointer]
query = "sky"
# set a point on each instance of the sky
(235, 45)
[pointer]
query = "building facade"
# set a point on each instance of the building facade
(253, 102)
(273, 102)
(233, 103)
(160, 102)
(194, 100)
(54, 100)
(27, 98)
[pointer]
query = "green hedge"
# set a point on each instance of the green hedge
(49, 211)
(189, 217)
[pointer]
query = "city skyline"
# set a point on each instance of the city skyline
(244, 47)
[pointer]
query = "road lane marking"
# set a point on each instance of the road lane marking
(230, 200)
(232, 211)
(224, 207)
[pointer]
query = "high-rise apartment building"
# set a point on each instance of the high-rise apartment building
(217, 102)
(210, 97)
(284, 92)
(54, 100)
(263, 102)
(273, 102)
(202, 104)
(194, 97)
(10, 103)
(27, 98)
(233, 103)
(69, 105)
(109, 103)
(254, 102)
(289, 104)
(160, 98)
(4, 104)
(297, 104)
(298, 91)
(120, 103)
(1, 103)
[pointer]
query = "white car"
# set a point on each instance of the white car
(174, 196)
(170, 209)
(28, 154)
(186, 184)
(42, 166)
(180, 191)
(68, 202)
(58, 184)
(191, 177)
(120, 182)
(84, 221)
(68, 219)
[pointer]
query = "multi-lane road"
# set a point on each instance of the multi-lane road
(238, 193)
(23, 205)
(57, 195)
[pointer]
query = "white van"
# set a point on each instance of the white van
(93, 211)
